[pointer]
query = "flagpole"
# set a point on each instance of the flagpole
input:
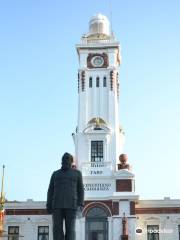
(2, 201)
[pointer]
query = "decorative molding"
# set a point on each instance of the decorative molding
(112, 77)
(163, 210)
(83, 81)
(124, 174)
(26, 212)
(106, 205)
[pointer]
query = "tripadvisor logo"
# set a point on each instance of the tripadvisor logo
(139, 231)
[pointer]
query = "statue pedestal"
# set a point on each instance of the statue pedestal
(124, 237)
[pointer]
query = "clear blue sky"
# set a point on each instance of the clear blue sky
(38, 89)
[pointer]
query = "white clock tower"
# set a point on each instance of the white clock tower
(98, 86)
(108, 181)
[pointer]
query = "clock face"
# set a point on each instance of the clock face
(97, 61)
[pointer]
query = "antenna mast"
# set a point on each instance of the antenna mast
(2, 185)
(110, 12)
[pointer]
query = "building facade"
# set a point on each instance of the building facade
(112, 209)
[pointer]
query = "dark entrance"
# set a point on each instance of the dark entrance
(96, 224)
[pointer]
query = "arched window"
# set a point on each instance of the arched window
(104, 82)
(97, 82)
(96, 224)
(90, 82)
(96, 212)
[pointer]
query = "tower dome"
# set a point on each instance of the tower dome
(99, 25)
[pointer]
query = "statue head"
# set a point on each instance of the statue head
(123, 162)
(67, 160)
(123, 158)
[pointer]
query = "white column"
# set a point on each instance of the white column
(82, 227)
(116, 228)
(78, 229)
(110, 225)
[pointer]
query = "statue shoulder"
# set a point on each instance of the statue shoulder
(57, 172)
(76, 171)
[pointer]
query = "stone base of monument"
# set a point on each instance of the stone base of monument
(124, 237)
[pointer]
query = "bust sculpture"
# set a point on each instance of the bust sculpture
(123, 162)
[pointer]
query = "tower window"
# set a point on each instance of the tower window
(13, 233)
(97, 82)
(90, 82)
(96, 151)
(43, 232)
(152, 232)
(104, 82)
